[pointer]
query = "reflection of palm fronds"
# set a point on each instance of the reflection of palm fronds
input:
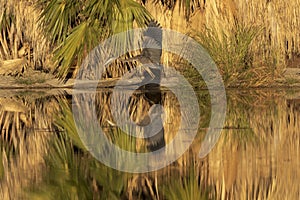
(185, 187)
(64, 120)
(267, 170)
(110, 183)
(68, 179)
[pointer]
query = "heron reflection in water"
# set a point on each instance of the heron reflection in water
(149, 124)
(149, 62)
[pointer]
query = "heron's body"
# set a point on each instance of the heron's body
(150, 58)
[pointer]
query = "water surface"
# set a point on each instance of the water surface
(256, 156)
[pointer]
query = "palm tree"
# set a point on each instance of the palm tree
(76, 27)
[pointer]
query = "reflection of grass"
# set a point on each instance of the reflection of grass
(204, 107)
(71, 170)
(73, 174)
(237, 124)
(242, 118)
(8, 149)
(240, 136)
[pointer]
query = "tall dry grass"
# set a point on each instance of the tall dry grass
(21, 35)
(277, 39)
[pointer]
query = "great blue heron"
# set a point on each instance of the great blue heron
(150, 57)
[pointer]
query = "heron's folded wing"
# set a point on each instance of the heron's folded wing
(151, 49)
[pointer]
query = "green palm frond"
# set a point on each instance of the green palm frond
(82, 38)
(139, 13)
(58, 17)
(78, 29)
(101, 10)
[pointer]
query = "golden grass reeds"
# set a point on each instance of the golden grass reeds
(21, 34)
(277, 40)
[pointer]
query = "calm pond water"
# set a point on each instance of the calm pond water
(43, 157)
